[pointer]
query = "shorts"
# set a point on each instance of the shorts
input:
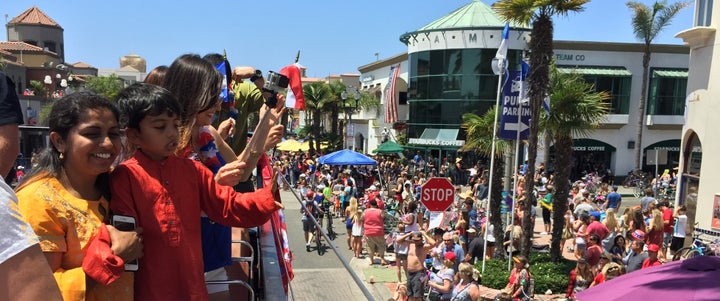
(376, 244)
(308, 226)
(667, 238)
(677, 243)
(415, 285)
(401, 256)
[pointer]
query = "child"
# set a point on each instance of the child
(165, 194)
(401, 252)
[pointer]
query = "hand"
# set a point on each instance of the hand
(230, 174)
(226, 128)
(126, 244)
(274, 137)
(274, 188)
(276, 112)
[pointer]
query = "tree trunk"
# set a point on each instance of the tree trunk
(495, 204)
(314, 143)
(563, 156)
(641, 107)
(539, 77)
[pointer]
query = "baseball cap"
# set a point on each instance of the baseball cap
(653, 248)
(595, 214)
(471, 230)
(638, 235)
(416, 236)
(450, 256)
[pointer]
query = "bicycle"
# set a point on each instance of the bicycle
(638, 189)
(318, 242)
(331, 233)
(697, 248)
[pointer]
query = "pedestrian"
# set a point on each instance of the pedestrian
(475, 247)
(441, 283)
(613, 199)
(401, 251)
(154, 184)
(24, 272)
(71, 180)
(467, 287)
(652, 260)
(373, 221)
(678, 239)
(635, 258)
(419, 245)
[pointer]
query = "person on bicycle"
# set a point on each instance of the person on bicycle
(309, 207)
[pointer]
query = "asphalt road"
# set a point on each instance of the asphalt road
(324, 277)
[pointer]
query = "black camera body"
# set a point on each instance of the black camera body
(274, 83)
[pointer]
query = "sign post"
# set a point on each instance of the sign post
(437, 194)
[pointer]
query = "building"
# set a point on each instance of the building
(447, 72)
(700, 174)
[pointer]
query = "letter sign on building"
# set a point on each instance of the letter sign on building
(437, 194)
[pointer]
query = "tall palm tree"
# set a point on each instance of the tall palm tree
(648, 23)
(479, 137)
(575, 110)
(539, 13)
(316, 95)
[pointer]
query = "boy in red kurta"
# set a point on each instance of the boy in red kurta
(165, 194)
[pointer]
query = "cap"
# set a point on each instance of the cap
(321, 186)
(595, 214)
(638, 235)
(372, 187)
(653, 248)
(457, 160)
(302, 175)
(450, 256)
(471, 230)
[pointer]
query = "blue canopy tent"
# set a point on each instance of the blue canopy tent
(346, 157)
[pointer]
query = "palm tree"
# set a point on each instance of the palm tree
(316, 95)
(648, 23)
(479, 138)
(539, 13)
(575, 110)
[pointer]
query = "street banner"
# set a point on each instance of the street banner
(513, 107)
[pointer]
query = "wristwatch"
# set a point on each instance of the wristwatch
(258, 74)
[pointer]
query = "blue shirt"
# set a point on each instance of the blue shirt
(613, 199)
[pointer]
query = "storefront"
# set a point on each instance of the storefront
(589, 155)
(669, 152)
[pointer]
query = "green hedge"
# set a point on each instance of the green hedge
(548, 274)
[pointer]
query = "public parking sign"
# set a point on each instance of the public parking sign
(437, 194)
(515, 114)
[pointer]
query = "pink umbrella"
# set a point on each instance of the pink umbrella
(692, 279)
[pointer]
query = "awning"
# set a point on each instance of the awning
(670, 73)
(438, 137)
(605, 71)
(672, 145)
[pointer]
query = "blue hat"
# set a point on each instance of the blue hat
(595, 214)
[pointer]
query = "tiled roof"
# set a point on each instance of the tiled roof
(82, 65)
(16, 46)
(34, 15)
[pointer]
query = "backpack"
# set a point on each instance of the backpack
(529, 289)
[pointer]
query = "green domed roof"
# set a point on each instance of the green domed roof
(474, 14)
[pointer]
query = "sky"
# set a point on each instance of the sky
(333, 37)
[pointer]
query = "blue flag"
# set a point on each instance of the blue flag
(501, 54)
(224, 92)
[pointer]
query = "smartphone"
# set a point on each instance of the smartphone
(126, 223)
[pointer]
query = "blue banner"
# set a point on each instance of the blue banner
(513, 106)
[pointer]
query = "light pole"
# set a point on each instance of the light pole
(349, 108)
(59, 84)
(343, 95)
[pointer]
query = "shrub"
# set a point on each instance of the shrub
(548, 274)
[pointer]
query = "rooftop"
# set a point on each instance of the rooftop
(34, 15)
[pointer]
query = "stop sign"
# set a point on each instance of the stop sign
(437, 194)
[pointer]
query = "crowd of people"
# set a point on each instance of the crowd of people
(171, 174)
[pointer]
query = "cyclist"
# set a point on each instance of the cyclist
(310, 208)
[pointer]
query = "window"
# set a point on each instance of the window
(703, 12)
(667, 92)
(50, 46)
(617, 87)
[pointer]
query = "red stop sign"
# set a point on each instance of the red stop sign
(437, 194)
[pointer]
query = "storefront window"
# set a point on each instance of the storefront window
(667, 92)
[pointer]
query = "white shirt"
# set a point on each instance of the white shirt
(16, 235)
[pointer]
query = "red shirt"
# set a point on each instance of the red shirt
(647, 263)
(667, 215)
(598, 229)
(166, 199)
(593, 254)
(373, 225)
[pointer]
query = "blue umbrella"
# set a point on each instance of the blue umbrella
(346, 157)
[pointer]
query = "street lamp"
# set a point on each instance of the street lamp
(349, 109)
(59, 84)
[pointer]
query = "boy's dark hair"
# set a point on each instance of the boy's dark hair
(140, 100)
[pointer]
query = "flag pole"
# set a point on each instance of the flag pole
(492, 158)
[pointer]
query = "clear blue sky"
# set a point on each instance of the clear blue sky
(334, 36)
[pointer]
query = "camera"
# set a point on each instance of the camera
(274, 83)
